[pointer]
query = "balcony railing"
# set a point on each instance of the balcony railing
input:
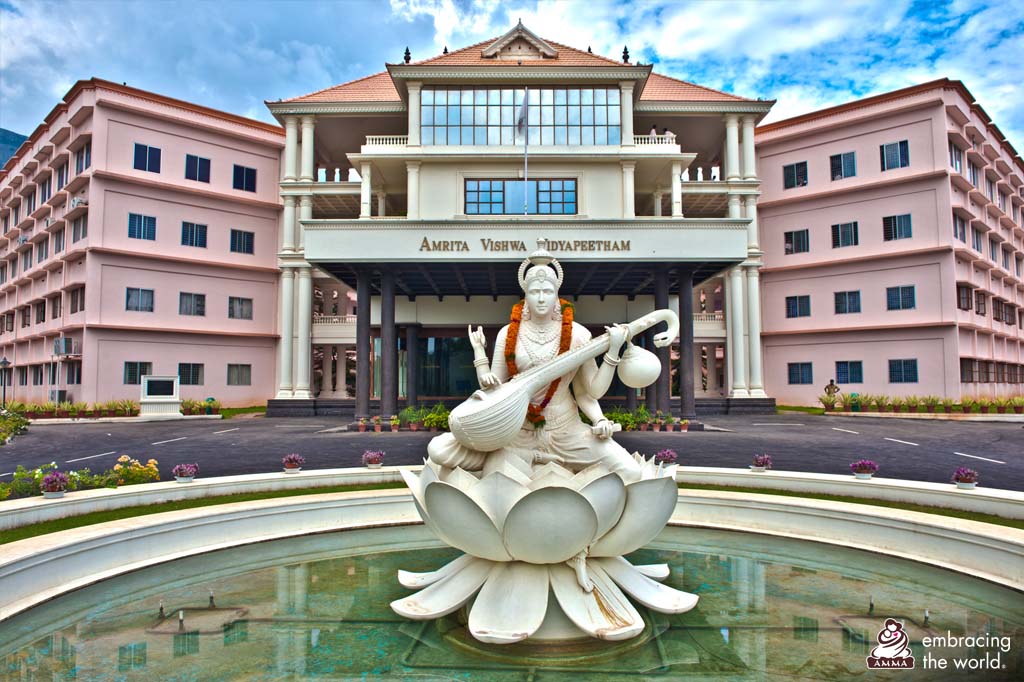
(648, 140)
(709, 317)
(334, 319)
(387, 140)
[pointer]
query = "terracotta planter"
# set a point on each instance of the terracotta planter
(47, 415)
(413, 426)
(983, 409)
(214, 410)
(670, 427)
(930, 408)
(187, 411)
(433, 429)
(362, 428)
(377, 428)
(656, 427)
(63, 414)
(643, 427)
(1001, 410)
(1018, 409)
(684, 427)
(948, 409)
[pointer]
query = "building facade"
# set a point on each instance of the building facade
(140, 236)
(407, 207)
(893, 249)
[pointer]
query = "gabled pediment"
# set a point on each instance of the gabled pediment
(519, 43)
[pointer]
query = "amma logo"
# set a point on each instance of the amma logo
(893, 649)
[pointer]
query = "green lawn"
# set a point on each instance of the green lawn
(783, 409)
(229, 412)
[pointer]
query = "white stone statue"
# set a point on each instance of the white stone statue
(539, 500)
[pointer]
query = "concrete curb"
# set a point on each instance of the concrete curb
(123, 420)
(935, 416)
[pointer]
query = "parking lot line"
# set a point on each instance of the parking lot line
(897, 440)
(80, 459)
(834, 428)
(964, 454)
(234, 429)
(161, 442)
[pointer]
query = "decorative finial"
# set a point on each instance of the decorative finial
(625, 55)
(445, 49)
(589, 50)
(408, 55)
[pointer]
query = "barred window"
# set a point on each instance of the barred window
(896, 227)
(800, 373)
(979, 303)
(242, 241)
(794, 175)
(141, 226)
(135, 370)
(847, 302)
(190, 374)
(193, 234)
(900, 298)
(963, 297)
(849, 372)
(895, 155)
(903, 371)
(845, 234)
(798, 306)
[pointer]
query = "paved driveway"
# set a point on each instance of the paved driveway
(922, 450)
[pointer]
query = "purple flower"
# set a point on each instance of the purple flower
(54, 481)
(764, 460)
(864, 466)
(373, 457)
(965, 475)
(185, 470)
(293, 460)
(666, 456)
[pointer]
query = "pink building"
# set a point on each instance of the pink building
(893, 247)
(140, 236)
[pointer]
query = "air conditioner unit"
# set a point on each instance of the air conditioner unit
(64, 346)
(22, 240)
(79, 201)
(59, 395)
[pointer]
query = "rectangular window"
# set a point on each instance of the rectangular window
(131, 657)
(239, 308)
(3, 273)
(62, 176)
(37, 375)
(896, 227)
(798, 241)
(895, 155)
(141, 226)
(990, 189)
(193, 234)
(959, 228)
(794, 175)
(77, 300)
(979, 303)
(505, 197)
(244, 178)
(30, 203)
(74, 373)
(798, 306)
(956, 158)
(845, 234)
(977, 240)
(968, 370)
(58, 241)
(1006, 260)
(186, 643)
(849, 372)
(900, 298)
(26, 260)
(974, 174)
(147, 158)
(79, 229)
(963, 297)
(135, 370)
(242, 241)
(239, 375)
(843, 165)
(190, 374)
(42, 251)
(40, 313)
(191, 304)
(45, 190)
(26, 316)
(23, 376)
(197, 168)
(140, 300)
(847, 302)
(55, 306)
(903, 371)
(800, 373)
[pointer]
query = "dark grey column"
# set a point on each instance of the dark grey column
(363, 377)
(687, 404)
(630, 398)
(663, 386)
(388, 347)
(651, 392)
(412, 361)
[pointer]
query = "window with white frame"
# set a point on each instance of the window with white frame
(83, 158)
(191, 304)
(895, 155)
(58, 240)
(843, 165)
(977, 241)
(79, 228)
(134, 370)
(974, 173)
(845, 234)
(956, 157)
(139, 300)
(62, 176)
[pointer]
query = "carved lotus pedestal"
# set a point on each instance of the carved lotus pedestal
(543, 551)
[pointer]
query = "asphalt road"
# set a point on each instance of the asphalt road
(913, 449)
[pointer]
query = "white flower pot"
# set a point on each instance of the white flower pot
(53, 495)
(758, 469)
(966, 486)
(373, 465)
(292, 470)
(862, 475)
(183, 479)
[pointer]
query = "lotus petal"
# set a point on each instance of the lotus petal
(654, 571)
(649, 593)
(549, 526)
(414, 482)
(550, 475)
(649, 505)
(463, 524)
(589, 475)
(607, 495)
(511, 605)
(415, 581)
(515, 468)
(496, 494)
(604, 613)
(460, 478)
(446, 595)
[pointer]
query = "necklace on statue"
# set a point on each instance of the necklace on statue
(541, 334)
(535, 412)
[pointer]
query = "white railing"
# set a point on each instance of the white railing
(333, 319)
(387, 140)
(646, 140)
(709, 317)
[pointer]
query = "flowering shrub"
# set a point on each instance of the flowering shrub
(965, 475)
(763, 461)
(129, 471)
(11, 424)
(666, 456)
(293, 460)
(185, 470)
(864, 466)
(55, 481)
(373, 457)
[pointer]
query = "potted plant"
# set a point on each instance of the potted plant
(666, 456)
(212, 407)
(186, 406)
(659, 419)
(79, 410)
(64, 409)
(967, 404)
(372, 459)
(947, 405)
(54, 484)
(897, 403)
(1001, 405)
(984, 403)
(828, 402)
(362, 424)
(184, 473)
(670, 422)
(643, 417)
(930, 402)
(965, 479)
(410, 416)
(1018, 404)
(437, 418)
(395, 422)
(48, 409)
(864, 468)
(882, 403)
(761, 462)
(684, 424)
(912, 402)
(293, 463)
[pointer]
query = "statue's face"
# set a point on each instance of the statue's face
(541, 297)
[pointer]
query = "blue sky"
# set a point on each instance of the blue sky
(232, 55)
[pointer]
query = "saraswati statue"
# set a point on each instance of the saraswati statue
(541, 501)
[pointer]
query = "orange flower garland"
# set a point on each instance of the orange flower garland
(535, 412)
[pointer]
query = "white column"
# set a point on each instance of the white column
(657, 203)
(749, 160)
(414, 113)
(365, 190)
(288, 224)
(732, 147)
(750, 206)
(677, 190)
(626, 100)
(303, 355)
(286, 329)
(628, 198)
(307, 149)
(713, 369)
(305, 213)
(326, 390)
(342, 372)
(412, 192)
(727, 307)
(734, 206)
(291, 146)
(737, 346)
(382, 200)
(754, 332)
(722, 160)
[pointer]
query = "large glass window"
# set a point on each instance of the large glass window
(498, 197)
(488, 116)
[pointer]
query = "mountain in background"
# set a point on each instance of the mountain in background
(9, 143)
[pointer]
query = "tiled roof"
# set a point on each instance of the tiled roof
(473, 56)
(375, 88)
(665, 89)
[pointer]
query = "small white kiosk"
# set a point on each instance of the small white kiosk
(160, 396)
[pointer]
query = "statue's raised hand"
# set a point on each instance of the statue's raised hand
(618, 335)
(477, 338)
